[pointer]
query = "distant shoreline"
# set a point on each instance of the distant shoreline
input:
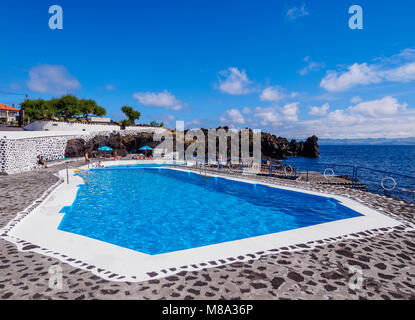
(367, 144)
(369, 141)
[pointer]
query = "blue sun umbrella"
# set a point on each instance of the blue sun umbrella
(105, 149)
(146, 148)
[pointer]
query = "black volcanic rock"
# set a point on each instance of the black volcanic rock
(281, 148)
(311, 148)
(272, 147)
(117, 144)
(92, 146)
(75, 148)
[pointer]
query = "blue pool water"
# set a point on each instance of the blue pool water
(161, 210)
(148, 165)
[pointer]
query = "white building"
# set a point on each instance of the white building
(100, 120)
(8, 113)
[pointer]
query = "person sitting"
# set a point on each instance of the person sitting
(41, 161)
(100, 165)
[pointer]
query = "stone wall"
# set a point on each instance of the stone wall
(19, 151)
(18, 155)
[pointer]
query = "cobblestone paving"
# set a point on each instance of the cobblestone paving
(370, 267)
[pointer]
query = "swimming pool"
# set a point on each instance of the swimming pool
(159, 210)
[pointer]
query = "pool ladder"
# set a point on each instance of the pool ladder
(203, 167)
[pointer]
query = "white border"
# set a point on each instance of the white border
(120, 264)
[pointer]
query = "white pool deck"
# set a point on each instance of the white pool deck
(40, 228)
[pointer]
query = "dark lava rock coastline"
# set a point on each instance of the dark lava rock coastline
(273, 147)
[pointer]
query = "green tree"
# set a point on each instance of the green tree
(67, 107)
(99, 111)
(125, 123)
(156, 124)
(89, 107)
(131, 114)
(38, 109)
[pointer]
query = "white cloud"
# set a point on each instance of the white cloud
(405, 73)
(405, 55)
(383, 118)
(356, 99)
(297, 12)
(246, 110)
(341, 124)
(271, 94)
(193, 123)
(274, 116)
(378, 108)
(162, 99)
(311, 66)
(393, 69)
(319, 111)
(232, 117)
(52, 79)
(267, 116)
(110, 87)
(275, 94)
(362, 74)
(168, 118)
(341, 118)
(290, 111)
(235, 82)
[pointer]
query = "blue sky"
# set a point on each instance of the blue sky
(294, 68)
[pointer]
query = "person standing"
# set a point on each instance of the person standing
(220, 158)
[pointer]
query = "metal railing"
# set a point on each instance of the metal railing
(385, 183)
(381, 182)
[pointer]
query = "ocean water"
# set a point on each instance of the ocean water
(160, 210)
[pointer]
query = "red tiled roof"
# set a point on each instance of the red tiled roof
(8, 108)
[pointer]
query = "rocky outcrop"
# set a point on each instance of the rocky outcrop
(281, 148)
(311, 148)
(75, 148)
(272, 147)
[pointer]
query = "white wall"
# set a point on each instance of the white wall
(83, 127)
(65, 126)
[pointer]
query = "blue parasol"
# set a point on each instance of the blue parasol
(105, 149)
